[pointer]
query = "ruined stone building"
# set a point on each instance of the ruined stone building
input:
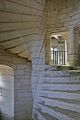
(39, 59)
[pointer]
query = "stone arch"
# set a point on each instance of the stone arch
(22, 85)
(48, 44)
(6, 91)
(11, 65)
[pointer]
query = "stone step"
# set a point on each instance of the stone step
(61, 73)
(60, 104)
(55, 114)
(58, 94)
(46, 115)
(69, 113)
(64, 87)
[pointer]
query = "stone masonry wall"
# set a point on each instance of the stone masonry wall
(7, 91)
(58, 96)
(22, 85)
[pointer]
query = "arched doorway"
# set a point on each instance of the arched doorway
(6, 91)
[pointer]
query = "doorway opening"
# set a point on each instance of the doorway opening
(58, 47)
(6, 91)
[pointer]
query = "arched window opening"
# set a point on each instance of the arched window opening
(6, 91)
(58, 49)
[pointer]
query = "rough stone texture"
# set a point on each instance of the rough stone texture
(23, 96)
(63, 16)
(21, 24)
(25, 31)
(20, 85)
(58, 96)
(7, 90)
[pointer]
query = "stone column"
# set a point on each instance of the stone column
(77, 45)
(47, 49)
(70, 47)
(38, 63)
(38, 53)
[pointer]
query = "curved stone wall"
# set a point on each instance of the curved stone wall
(21, 85)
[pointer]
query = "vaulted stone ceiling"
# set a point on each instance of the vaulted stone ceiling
(61, 14)
(20, 24)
